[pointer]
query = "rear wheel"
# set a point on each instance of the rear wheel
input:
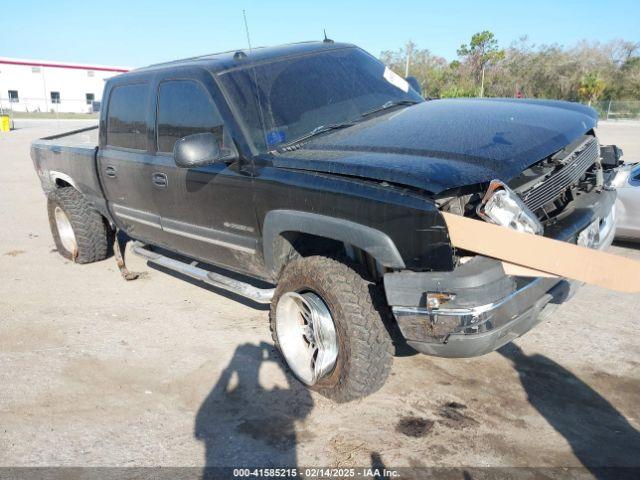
(326, 319)
(78, 230)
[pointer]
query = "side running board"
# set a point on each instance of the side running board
(259, 295)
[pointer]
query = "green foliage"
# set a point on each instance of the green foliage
(455, 91)
(591, 87)
(588, 71)
(482, 50)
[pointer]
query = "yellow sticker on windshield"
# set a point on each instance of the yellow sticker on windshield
(396, 80)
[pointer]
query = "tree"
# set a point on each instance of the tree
(623, 51)
(482, 50)
(591, 87)
(427, 68)
(586, 71)
(629, 79)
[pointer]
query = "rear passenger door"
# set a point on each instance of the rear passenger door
(126, 160)
(207, 212)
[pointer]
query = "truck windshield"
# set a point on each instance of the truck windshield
(289, 99)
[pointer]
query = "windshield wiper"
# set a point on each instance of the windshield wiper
(389, 104)
(316, 131)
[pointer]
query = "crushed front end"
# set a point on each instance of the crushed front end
(477, 307)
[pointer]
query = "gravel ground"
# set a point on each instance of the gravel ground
(96, 371)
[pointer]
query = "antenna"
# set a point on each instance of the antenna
(255, 81)
(326, 40)
(246, 27)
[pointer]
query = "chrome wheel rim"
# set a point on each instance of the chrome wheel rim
(306, 335)
(65, 231)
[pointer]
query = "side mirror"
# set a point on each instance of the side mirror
(414, 83)
(198, 150)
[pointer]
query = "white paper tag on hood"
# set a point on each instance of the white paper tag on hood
(396, 80)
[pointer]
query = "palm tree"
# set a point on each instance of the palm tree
(591, 87)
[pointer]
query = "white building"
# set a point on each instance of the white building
(35, 85)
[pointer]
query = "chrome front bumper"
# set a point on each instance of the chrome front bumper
(476, 330)
(489, 327)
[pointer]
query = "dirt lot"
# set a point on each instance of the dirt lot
(97, 371)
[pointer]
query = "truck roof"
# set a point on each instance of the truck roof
(242, 57)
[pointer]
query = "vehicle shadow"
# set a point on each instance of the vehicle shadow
(242, 424)
(599, 435)
(627, 244)
(247, 302)
(124, 240)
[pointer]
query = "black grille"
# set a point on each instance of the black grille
(575, 165)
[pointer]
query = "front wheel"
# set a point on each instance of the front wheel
(327, 320)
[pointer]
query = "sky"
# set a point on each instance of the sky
(137, 33)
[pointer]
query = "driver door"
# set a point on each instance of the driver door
(206, 212)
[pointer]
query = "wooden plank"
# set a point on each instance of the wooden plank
(544, 254)
(520, 271)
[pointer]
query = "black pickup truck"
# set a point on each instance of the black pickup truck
(311, 177)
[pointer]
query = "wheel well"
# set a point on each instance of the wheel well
(290, 245)
(60, 183)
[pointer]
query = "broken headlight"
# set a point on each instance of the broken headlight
(502, 206)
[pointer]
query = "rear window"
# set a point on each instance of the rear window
(126, 117)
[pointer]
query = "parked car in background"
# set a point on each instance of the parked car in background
(627, 182)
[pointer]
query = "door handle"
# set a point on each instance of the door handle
(111, 171)
(159, 179)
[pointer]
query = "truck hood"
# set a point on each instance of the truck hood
(442, 144)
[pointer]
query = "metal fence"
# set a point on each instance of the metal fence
(608, 109)
(618, 109)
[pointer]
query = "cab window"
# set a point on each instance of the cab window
(185, 108)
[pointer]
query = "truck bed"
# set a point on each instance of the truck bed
(70, 159)
(86, 137)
